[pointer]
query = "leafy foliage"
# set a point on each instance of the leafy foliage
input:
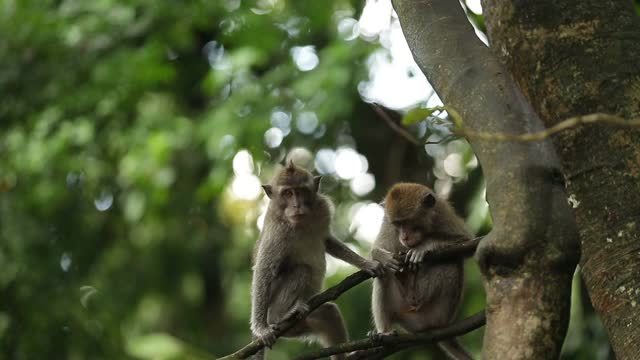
(120, 234)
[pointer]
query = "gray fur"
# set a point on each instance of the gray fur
(290, 263)
(427, 296)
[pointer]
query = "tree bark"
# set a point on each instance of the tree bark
(573, 58)
(529, 257)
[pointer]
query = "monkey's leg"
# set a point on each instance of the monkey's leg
(327, 323)
(380, 307)
(291, 292)
(454, 350)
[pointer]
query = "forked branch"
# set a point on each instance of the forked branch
(394, 343)
(461, 249)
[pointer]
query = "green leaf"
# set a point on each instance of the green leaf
(417, 115)
(155, 346)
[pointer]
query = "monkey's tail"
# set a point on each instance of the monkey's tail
(454, 350)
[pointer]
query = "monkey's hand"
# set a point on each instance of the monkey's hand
(376, 336)
(414, 257)
(267, 335)
(373, 267)
(386, 258)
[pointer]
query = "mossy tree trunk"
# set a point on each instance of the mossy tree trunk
(529, 257)
(572, 58)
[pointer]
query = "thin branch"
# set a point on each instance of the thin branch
(460, 129)
(463, 248)
(369, 354)
(377, 353)
(400, 342)
(331, 293)
(395, 126)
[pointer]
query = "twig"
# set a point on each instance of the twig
(394, 126)
(461, 130)
(462, 248)
(368, 354)
(399, 342)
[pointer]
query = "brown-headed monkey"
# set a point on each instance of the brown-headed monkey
(290, 261)
(421, 296)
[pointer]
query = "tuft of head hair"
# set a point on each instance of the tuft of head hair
(407, 200)
(292, 174)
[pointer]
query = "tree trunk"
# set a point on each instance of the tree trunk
(573, 58)
(529, 257)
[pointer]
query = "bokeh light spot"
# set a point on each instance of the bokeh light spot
(453, 165)
(65, 261)
(367, 221)
(281, 120)
(246, 187)
(273, 137)
(363, 184)
(243, 163)
(325, 161)
(104, 201)
(307, 122)
(349, 163)
(305, 57)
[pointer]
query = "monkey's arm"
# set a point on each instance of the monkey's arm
(341, 251)
(386, 258)
(265, 270)
(416, 254)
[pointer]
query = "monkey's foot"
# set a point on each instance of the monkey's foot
(376, 337)
(299, 310)
(268, 336)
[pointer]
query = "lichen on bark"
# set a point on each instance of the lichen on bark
(564, 74)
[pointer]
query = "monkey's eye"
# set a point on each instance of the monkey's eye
(287, 193)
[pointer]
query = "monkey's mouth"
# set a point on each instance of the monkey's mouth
(296, 218)
(409, 243)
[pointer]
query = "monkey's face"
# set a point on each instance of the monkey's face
(296, 203)
(410, 208)
(409, 234)
(294, 192)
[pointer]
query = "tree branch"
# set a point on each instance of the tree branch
(400, 342)
(463, 248)
(331, 293)
(394, 126)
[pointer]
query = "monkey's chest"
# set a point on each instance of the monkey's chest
(310, 252)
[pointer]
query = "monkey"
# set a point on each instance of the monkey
(416, 296)
(290, 261)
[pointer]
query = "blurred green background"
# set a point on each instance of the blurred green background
(134, 136)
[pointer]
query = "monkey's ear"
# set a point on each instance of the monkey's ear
(429, 201)
(316, 183)
(268, 190)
